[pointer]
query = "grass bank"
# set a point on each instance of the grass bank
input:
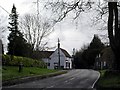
(9, 60)
(109, 79)
(11, 72)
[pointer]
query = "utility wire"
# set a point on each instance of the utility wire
(4, 9)
(9, 14)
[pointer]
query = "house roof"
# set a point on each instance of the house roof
(65, 52)
(42, 54)
(45, 54)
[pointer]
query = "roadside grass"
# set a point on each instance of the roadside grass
(102, 73)
(11, 72)
(0, 73)
(109, 79)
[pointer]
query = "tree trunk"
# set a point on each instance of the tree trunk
(114, 33)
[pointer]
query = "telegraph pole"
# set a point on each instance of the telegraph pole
(58, 53)
(37, 8)
(73, 58)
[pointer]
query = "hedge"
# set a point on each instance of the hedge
(27, 62)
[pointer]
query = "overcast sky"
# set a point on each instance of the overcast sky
(72, 34)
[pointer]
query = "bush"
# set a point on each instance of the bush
(111, 73)
(27, 62)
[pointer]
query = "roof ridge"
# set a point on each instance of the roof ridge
(65, 52)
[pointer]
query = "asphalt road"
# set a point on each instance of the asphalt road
(78, 78)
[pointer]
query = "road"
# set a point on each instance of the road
(78, 78)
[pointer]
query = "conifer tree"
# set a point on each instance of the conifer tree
(17, 44)
(96, 43)
(86, 57)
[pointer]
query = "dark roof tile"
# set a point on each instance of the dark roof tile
(47, 54)
(65, 52)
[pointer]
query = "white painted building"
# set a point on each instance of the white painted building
(65, 60)
(59, 58)
(51, 58)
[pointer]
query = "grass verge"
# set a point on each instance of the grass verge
(11, 72)
(109, 79)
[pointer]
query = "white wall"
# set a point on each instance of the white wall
(46, 60)
(70, 61)
(54, 59)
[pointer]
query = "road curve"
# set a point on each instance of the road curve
(77, 78)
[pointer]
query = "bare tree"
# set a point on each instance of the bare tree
(3, 31)
(61, 8)
(111, 10)
(36, 29)
(114, 32)
(2, 28)
(107, 9)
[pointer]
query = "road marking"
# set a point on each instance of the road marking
(87, 79)
(66, 81)
(96, 80)
(51, 86)
(72, 78)
(69, 80)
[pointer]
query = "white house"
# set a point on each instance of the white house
(65, 60)
(51, 58)
(59, 58)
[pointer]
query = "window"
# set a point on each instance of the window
(48, 64)
(62, 67)
(67, 64)
(104, 63)
(55, 65)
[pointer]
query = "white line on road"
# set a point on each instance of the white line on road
(72, 78)
(66, 81)
(96, 80)
(51, 86)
